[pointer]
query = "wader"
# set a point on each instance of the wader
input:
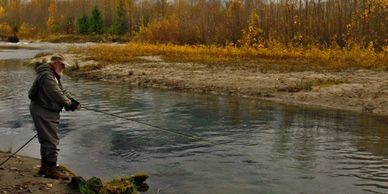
(47, 123)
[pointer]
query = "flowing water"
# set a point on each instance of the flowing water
(241, 145)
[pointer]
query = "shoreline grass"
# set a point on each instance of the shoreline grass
(277, 58)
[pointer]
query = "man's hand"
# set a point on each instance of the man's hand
(76, 102)
(75, 105)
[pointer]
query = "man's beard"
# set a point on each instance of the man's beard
(58, 73)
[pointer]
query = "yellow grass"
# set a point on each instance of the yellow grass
(277, 57)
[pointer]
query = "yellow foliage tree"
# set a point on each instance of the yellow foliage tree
(26, 30)
(252, 35)
(2, 12)
(52, 23)
(160, 31)
(5, 29)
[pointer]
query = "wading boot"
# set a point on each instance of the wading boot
(54, 173)
(43, 167)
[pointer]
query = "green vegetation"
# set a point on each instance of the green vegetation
(129, 185)
(119, 25)
(96, 25)
(83, 25)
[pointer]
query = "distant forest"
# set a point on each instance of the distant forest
(256, 23)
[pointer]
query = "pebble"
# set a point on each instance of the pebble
(43, 188)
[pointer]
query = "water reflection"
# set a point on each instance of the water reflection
(245, 145)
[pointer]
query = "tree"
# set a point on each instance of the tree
(2, 12)
(25, 30)
(120, 24)
(83, 25)
(252, 35)
(96, 25)
(52, 21)
(69, 26)
(6, 29)
(296, 22)
(13, 13)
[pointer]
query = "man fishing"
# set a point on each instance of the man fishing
(48, 98)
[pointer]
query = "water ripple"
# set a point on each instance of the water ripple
(243, 145)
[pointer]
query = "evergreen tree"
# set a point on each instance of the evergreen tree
(119, 25)
(83, 25)
(96, 25)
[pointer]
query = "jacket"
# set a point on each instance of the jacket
(47, 90)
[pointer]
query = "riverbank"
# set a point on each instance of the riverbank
(361, 90)
(292, 78)
(19, 175)
(336, 84)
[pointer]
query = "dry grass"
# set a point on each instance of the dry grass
(307, 85)
(276, 58)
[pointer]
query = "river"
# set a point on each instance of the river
(240, 146)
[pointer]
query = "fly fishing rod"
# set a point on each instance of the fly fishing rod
(120, 117)
(5, 161)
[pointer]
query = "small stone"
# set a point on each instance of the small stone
(139, 178)
(43, 188)
(49, 185)
(13, 169)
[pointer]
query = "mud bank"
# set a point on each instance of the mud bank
(20, 175)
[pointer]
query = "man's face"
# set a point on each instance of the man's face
(58, 68)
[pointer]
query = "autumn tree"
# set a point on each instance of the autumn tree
(6, 29)
(26, 30)
(323, 23)
(253, 35)
(52, 20)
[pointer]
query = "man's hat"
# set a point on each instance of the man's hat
(59, 58)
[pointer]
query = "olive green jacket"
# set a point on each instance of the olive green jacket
(47, 90)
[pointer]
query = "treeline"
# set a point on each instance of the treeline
(257, 23)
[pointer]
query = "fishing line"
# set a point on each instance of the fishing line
(189, 136)
(147, 124)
